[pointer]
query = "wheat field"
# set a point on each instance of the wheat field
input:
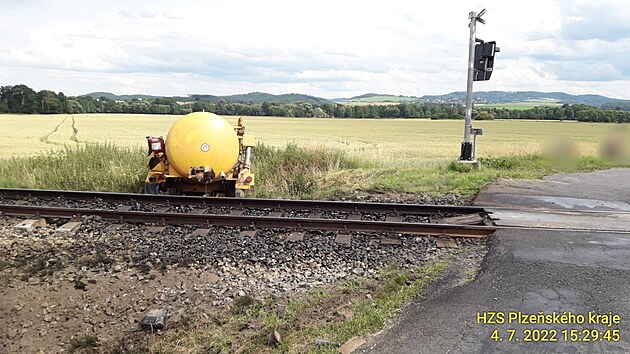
(393, 142)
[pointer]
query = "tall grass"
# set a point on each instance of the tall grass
(289, 172)
(295, 172)
(90, 167)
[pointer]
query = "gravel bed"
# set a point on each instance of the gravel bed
(224, 249)
(293, 213)
(135, 206)
(256, 211)
(261, 266)
(373, 216)
(416, 218)
(62, 202)
(101, 280)
(181, 209)
(218, 210)
(332, 214)
(405, 198)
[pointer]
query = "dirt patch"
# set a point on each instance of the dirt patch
(54, 313)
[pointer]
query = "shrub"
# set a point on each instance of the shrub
(484, 116)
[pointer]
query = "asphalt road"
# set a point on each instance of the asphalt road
(532, 272)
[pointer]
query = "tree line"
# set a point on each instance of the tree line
(579, 112)
(23, 100)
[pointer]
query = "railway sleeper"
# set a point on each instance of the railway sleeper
(68, 228)
(445, 242)
(30, 224)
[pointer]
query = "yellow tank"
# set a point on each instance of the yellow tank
(202, 139)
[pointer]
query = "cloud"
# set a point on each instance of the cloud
(584, 41)
(585, 71)
(326, 48)
(604, 20)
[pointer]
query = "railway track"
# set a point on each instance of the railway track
(251, 214)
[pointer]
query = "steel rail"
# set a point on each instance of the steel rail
(417, 209)
(426, 229)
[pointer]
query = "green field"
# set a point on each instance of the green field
(527, 104)
(382, 98)
(399, 142)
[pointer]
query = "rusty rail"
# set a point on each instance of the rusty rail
(320, 205)
(426, 229)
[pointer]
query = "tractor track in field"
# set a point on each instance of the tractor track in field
(75, 131)
(100, 279)
(44, 139)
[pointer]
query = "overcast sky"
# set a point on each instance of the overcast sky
(323, 48)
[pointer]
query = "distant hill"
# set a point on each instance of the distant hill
(494, 97)
(260, 97)
(530, 98)
(375, 97)
(253, 97)
(522, 96)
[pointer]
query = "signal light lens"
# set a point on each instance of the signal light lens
(249, 179)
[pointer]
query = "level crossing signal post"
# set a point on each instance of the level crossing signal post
(480, 65)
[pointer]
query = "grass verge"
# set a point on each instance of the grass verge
(289, 172)
(355, 307)
(91, 167)
(456, 178)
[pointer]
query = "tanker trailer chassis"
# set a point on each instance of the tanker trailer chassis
(165, 177)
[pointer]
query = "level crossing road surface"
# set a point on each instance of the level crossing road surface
(577, 263)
